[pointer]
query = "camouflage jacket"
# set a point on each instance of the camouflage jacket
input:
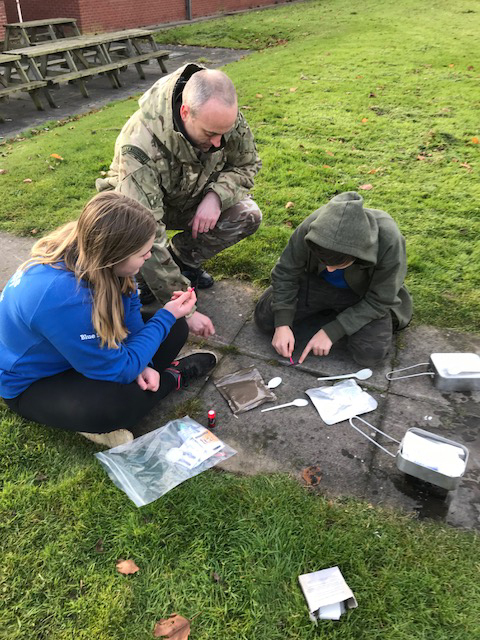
(156, 165)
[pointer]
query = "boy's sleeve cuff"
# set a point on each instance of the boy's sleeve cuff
(334, 330)
(283, 318)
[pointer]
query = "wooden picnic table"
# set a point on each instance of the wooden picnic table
(23, 34)
(14, 77)
(80, 57)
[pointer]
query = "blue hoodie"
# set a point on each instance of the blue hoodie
(46, 328)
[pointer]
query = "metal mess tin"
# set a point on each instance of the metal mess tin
(416, 469)
(449, 371)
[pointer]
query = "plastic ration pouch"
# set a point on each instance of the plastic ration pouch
(341, 401)
(149, 466)
(244, 389)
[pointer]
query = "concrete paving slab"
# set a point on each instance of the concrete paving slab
(417, 344)
(338, 362)
(13, 251)
(388, 485)
(289, 439)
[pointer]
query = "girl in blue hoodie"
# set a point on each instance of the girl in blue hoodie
(75, 352)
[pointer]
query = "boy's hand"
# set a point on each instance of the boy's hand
(283, 341)
(320, 344)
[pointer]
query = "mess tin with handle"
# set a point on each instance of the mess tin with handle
(429, 473)
(449, 371)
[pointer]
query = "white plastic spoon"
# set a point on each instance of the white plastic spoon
(274, 383)
(363, 374)
(298, 402)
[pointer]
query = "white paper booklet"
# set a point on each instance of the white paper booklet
(327, 594)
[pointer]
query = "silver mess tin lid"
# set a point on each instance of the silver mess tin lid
(456, 366)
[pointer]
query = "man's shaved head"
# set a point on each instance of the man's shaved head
(205, 85)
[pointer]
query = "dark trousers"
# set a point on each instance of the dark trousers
(71, 401)
(368, 346)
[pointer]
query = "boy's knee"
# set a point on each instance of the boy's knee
(263, 314)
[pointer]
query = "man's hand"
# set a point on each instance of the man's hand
(207, 215)
(182, 303)
(200, 325)
(320, 344)
(283, 341)
(149, 380)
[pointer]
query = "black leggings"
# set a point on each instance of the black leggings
(71, 401)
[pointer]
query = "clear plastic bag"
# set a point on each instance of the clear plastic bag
(342, 401)
(244, 389)
(149, 466)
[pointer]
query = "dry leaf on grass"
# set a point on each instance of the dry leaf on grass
(326, 166)
(127, 567)
(293, 89)
(466, 166)
(258, 95)
(3, 171)
(56, 156)
(99, 546)
(175, 627)
(364, 120)
(28, 180)
(289, 224)
(329, 153)
(475, 140)
(312, 475)
(366, 187)
(289, 205)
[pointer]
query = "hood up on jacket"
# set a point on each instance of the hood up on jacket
(345, 226)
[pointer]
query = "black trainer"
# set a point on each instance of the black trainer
(198, 277)
(192, 367)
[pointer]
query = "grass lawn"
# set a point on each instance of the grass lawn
(65, 525)
(339, 94)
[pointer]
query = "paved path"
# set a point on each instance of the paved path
(295, 438)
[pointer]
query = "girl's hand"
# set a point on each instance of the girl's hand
(149, 380)
(182, 303)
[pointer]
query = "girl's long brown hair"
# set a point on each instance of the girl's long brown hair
(111, 228)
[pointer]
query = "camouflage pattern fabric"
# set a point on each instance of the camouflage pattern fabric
(157, 166)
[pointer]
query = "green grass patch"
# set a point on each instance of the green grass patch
(64, 526)
(338, 95)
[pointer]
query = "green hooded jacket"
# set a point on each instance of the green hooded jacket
(377, 275)
(156, 165)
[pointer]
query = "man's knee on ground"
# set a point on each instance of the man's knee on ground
(371, 356)
(263, 314)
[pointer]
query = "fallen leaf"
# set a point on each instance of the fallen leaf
(470, 68)
(475, 140)
(282, 41)
(34, 232)
(451, 66)
(218, 578)
(421, 157)
(373, 170)
(277, 94)
(302, 77)
(245, 106)
(359, 77)
(326, 166)
(364, 120)
(293, 89)
(366, 187)
(259, 95)
(3, 171)
(175, 627)
(28, 180)
(312, 475)
(127, 567)
(51, 168)
(371, 95)
(466, 166)
(289, 224)
(99, 546)
(289, 205)
(329, 153)
(56, 156)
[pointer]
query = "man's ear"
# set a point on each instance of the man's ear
(184, 112)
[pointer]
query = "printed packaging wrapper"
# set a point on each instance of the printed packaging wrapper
(244, 389)
(149, 466)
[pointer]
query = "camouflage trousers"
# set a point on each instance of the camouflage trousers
(369, 346)
(235, 223)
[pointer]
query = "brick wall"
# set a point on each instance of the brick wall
(3, 20)
(112, 15)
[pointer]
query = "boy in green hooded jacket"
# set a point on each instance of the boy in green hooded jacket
(347, 259)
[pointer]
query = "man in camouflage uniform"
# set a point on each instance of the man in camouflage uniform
(189, 156)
